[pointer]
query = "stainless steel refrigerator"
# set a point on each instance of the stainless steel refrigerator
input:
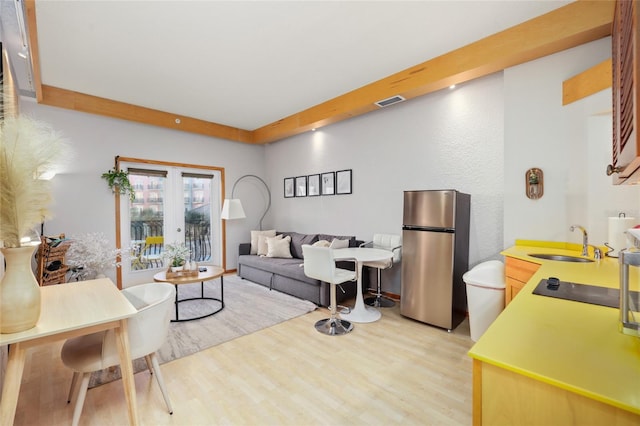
(435, 254)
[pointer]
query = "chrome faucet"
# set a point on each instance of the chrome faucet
(585, 239)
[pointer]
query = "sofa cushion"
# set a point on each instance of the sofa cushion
(280, 266)
(262, 244)
(297, 240)
(279, 247)
(254, 238)
(321, 243)
(337, 243)
(329, 237)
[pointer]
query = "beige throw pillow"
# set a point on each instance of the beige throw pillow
(338, 244)
(254, 238)
(279, 247)
(262, 244)
(321, 243)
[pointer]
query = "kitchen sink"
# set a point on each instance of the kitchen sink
(560, 257)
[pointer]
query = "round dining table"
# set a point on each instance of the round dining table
(361, 312)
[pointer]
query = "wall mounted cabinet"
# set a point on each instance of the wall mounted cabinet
(625, 53)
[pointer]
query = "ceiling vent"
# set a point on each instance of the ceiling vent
(390, 101)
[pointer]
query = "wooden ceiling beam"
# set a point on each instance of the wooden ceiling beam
(34, 51)
(572, 25)
(588, 82)
(95, 105)
(569, 26)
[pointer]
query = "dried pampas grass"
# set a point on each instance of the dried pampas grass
(27, 149)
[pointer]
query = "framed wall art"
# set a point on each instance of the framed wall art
(301, 186)
(289, 185)
(327, 183)
(313, 185)
(343, 182)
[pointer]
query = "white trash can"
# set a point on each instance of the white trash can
(485, 295)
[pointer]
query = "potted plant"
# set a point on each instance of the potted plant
(28, 149)
(176, 255)
(118, 181)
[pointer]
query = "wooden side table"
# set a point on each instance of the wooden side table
(211, 273)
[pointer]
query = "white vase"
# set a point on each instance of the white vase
(19, 291)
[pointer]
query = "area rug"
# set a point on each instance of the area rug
(249, 307)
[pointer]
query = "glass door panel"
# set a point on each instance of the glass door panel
(197, 215)
(146, 219)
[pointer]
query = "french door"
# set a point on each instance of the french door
(173, 204)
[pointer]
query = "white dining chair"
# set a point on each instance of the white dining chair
(320, 264)
(148, 330)
(389, 242)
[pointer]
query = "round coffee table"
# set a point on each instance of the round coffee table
(210, 273)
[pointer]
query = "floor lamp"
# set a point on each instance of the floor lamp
(232, 207)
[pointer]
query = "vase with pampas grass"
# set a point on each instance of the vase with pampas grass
(28, 148)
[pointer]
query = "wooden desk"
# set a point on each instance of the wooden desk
(68, 311)
(211, 273)
(360, 312)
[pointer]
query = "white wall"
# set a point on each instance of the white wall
(451, 139)
(571, 144)
(82, 201)
(480, 138)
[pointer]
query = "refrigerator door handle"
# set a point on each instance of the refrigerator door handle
(427, 229)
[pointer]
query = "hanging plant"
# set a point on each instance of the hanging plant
(119, 180)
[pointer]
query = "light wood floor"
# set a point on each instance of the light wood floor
(394, 371)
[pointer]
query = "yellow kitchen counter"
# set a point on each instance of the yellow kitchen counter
(571, 346)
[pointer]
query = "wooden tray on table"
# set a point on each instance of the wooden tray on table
(181, 273)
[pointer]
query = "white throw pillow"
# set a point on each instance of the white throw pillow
(262, 244)
(254, 238)
(321, 243)
(279, 247)
(338, 244)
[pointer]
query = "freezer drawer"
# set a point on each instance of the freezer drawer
(433, 209)
(427, 277)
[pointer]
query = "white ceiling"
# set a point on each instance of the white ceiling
(249, 63)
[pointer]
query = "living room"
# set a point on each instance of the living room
(478, 138)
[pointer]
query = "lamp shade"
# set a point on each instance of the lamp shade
(232, 209)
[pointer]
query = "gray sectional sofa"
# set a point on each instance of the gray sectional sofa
(287, 275)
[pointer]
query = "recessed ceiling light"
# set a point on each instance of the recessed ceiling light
(453, 86)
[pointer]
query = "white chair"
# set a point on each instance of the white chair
(389, 242)
(320, 264)
(147, 333)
